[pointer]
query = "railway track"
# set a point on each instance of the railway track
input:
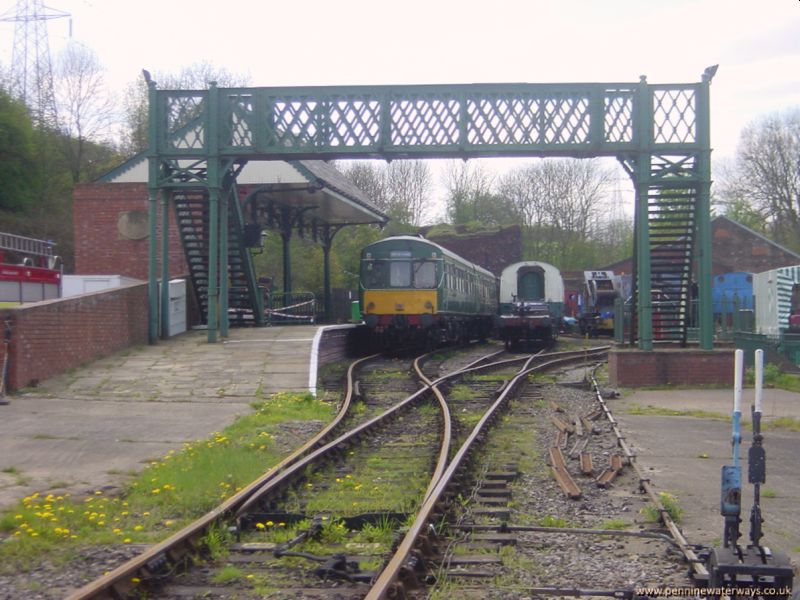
(440, 505)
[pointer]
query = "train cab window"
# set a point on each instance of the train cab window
(424, 274)
(374, 274)
(400, 273)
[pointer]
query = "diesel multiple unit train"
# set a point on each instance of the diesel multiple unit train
(414, 292)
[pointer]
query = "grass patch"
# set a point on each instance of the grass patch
(167, 494)
(637, 409)
(774, 378)
(616, 524)
(227, 574)
(784, 423)
(10, 470)
(461, 393)
(550, 521)
(768, 493)
(670, 504)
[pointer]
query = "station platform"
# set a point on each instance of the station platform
(84, 429)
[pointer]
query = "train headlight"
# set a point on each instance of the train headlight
(429, 305)
(370, 307)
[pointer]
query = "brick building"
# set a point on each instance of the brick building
(734, 247)
(492, 250)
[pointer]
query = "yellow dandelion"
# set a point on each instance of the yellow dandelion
(270, 523)
(259, 526)
(145, 514)
(138, 527)
(169, 522)
(135, 580)
(126, 541)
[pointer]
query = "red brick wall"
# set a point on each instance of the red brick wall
(53, 336)
(493, 251)
(100, 247)
(638, 368)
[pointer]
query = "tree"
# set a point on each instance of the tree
(400, 189)
(135, 103)
(471, 197)
(766, 176)
(409, 187)
(558, 202)
(17, 155)
(85, 106)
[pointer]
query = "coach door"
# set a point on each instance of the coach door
(530, 285)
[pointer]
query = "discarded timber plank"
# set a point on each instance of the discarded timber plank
(607, 476)
(561, 439)
(587, 468)
(588, 426)
(561, 425)
(563, 478)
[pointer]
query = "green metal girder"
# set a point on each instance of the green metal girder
(426, 121)
(660, 133)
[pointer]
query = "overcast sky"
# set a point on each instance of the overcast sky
(344, 42)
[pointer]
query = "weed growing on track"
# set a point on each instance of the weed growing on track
(169, 493)
(670, 504)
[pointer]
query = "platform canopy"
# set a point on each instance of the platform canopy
(315, 186)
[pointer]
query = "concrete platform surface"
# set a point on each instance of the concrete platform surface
(87, 428)
(683, 455)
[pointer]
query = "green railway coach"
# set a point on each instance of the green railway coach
(414, 291)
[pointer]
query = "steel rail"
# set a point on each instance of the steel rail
(447, 426)
(696, 565)
(121, 575)
(119, 580)
(387, 580)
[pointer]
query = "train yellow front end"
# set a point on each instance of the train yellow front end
(415, 292)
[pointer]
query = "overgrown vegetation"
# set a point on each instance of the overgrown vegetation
(167, 494)
(774, 378)
(670, 504)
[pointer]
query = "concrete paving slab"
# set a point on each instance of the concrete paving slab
(683, 455)
(87, 428)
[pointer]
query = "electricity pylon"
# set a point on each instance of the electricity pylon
(31, 70)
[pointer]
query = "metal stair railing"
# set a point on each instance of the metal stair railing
(671, 225)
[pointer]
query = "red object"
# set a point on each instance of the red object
(23, 273)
